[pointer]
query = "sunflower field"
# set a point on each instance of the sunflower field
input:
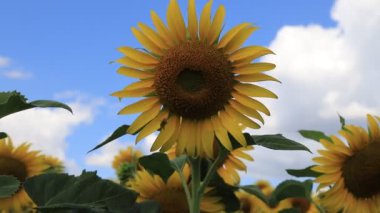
(197, 87)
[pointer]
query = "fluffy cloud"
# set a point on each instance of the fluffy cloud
(47, 129)
(4, 61)
(324, 71)
(104, 156)
(16, 74)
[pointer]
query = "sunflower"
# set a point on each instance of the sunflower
(22, 164)
(351, 169)
(53, 164)
(249, 203)
(128, 155)
(195, 84)
(265, 187)
(302, 204)
(170, 195)
(232, 164)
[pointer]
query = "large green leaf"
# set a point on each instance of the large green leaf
(8, 186)
(306, 172)
(157, 163)
(289, 189)
(12, 102)
(278, 142)
(119, 132)
(314, 135)
(86, 192)
(226, 193)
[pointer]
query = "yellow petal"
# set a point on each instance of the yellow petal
(138, 56)
(162, 29)
(251, 103)
(126, 61)
(243, 155)
(166, 133)
(133, 93)
(241, 118)
(144, 118)
(135, 73)
(191, 142)
(153, 125)
(239, 39)
(254, 68)
(205, 21)
(326, 169)
(153, 36)
(221, 133)
(175, 21)
(216, 26)
(373, 127)
(207, 138)
(230, 125)
(146, 42)
(255, 78)
(192, 20)
(139, 106)
(146, 83)
(251, 52)
(330, 178)
(238, 164)
(226, 39)
(246, 110)
(254, 91)
(183, 137)
(172, 141)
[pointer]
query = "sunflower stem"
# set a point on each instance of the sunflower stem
(211, 172)
(195, 164)
(187, 191)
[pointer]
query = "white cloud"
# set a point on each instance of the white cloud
(4, 61)
(17, 74)
(47, 129)
(324, 71)
(104, 156)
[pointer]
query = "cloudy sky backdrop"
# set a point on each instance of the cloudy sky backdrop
(327, 57)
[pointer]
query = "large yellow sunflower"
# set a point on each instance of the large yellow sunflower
(170, 195)
(351, 169)
(195, 83)
(232, 164)
(20, 163)
(128, 155)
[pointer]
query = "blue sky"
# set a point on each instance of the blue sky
(64, 49)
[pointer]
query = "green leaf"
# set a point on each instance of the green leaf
(3, 135)
(157, 163)
(8, 186)
(12, 102)
(314, 135)
(342, 121)
(119, 132)
(306, 172)
(289, 189)
(255, 190)
(178, 163)
(278, 142)
(226, 192)
(87, 192)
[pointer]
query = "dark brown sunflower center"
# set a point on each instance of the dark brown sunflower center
(172, 201)
(361, 172)
(194, 80)
(10, 166)
(301, 204)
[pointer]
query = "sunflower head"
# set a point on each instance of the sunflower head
(128, 155)
(265, 187)
(170, 195)
(197, 87)
(351, 168)
(53, 164)
(22, 164)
